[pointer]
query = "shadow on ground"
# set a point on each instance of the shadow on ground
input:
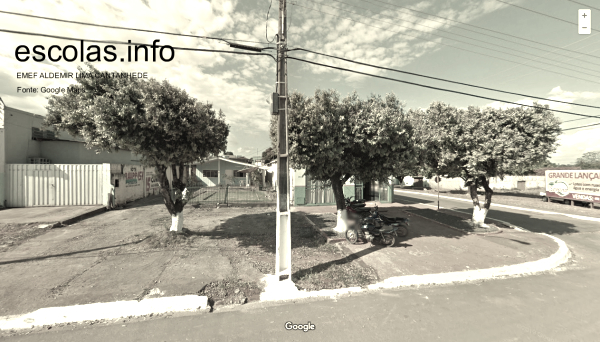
(526, 221)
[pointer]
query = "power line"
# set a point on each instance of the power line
(520, 75)
(568, 129)
(131, 43)
(267, 25)
(434, 88)
(467, 37)
(452, 46)
(588, 6)
(439, 79)
(540, 13)
(129, 28)
(460, 41)
(575, 120)
(483, 28)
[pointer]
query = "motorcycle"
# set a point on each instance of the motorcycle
(378, 229)
(357, 207)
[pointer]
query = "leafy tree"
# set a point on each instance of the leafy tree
(476, 144)
(269, 154)
(155, 120)
(589, 160)
(337, 139)
(228, 153)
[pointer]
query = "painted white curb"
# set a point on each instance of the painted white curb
(286, 290)
(101, 311)
(558, 258)
(586, 218)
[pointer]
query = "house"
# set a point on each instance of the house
(222, 170)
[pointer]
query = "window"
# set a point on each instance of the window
(236, 173)
(210, 173)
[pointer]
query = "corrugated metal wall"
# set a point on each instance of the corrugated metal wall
(31, 185)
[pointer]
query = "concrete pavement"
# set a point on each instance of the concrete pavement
(64, 215)
(432, 253)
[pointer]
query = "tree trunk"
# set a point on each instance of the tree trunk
(175, 207)
(479, 211)
(337, 185)
(400, 179)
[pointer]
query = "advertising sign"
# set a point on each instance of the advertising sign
(576, 185)
(151, 181)
(133, 177)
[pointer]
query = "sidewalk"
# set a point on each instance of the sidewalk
(64, 215)
(109, 258)
(432, 247)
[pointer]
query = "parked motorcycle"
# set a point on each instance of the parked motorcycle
(378, 229)
(357, 207)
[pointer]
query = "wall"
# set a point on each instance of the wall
(70, 152)
(17, 138)
(508, 183)
(2, 155)
(129, 182)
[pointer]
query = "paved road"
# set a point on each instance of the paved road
(557, 306)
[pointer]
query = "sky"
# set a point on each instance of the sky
(486, 43)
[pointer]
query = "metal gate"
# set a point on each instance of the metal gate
(32, 185)
(316, 193)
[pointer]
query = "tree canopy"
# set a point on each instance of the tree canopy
(156, 120)
(589, 160)
(476, 144)
(335, 139)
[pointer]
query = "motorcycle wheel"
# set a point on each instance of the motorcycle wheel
(389, 240)
(352, 236)
(402, 231)
(375, 241)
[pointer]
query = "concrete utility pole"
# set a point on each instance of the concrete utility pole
(283, 263)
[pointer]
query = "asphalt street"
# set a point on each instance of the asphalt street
(562, 305)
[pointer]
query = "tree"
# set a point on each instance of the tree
(228, 153)
(269, 155)
(589, 160)
(155, 120)
(336, 139)
(476, 144)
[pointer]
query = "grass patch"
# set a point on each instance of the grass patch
(12, 235)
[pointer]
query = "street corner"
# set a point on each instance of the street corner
(434, 254)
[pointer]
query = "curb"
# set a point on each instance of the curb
(528, 268)
(103, 311)
(83, 216)
(287, 291)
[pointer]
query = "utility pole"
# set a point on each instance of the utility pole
(283, 262)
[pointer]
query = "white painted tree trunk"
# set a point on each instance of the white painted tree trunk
(177, 222)
(342, 221)
(479, 215)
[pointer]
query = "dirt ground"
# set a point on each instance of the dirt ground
(129, 254)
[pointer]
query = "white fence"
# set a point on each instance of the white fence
(31, 185)
(508, 183)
